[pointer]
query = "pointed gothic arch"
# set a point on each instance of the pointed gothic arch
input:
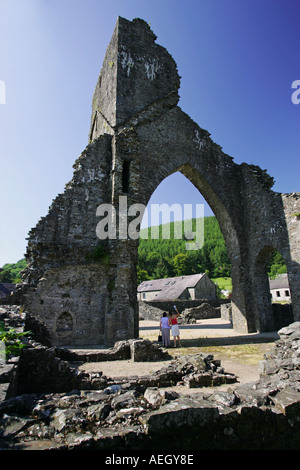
(224, 218)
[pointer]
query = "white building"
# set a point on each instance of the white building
(280, 289)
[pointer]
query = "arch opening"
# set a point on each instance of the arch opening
(167, 258)
(272, 300)
(64, 323)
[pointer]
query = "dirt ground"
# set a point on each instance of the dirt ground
(239, 354)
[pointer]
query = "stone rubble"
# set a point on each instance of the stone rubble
(205, 310)
(138, 413)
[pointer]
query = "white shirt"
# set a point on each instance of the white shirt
(165, 322)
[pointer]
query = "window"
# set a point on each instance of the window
(287, 293)
(144, 296)
(278, 293)
(64, 322)
(125, 176)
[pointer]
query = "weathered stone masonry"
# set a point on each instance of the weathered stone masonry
(83, 288)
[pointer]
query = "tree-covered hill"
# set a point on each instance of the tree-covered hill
(159, 258)
(11, 272)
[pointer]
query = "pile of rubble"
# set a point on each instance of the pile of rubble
(92, 411)
(101, 419)
(12, 316)
(149, 312)
(205, 310)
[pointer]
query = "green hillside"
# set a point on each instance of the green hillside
(167, 258)
(11, 272)
(161, 258)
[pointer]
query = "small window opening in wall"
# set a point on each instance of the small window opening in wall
(125, 176)
(94, 126)
(64, 322)
(278, 293)
(287, 293)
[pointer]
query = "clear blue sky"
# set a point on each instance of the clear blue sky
(237, 60)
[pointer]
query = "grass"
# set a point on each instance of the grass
(224, 283)
(249, 353)
(244, 353)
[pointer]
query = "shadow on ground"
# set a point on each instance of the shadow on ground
(224, 335)
(229, 340)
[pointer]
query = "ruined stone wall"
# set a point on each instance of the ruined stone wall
(291, 205)
(66, 235)
(266, 222)
(74, 272)
(84, 288)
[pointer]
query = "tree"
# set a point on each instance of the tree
(276, 265)
(152, 260)
(180, 263)
(12, 272)
(142, 275)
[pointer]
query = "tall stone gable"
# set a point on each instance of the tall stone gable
(83, 288)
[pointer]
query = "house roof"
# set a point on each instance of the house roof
(3, 291)
(9, 286)
(279, 283)
(6, 289)
(170, 288)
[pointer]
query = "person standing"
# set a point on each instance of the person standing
(164, 327)
(174, 326)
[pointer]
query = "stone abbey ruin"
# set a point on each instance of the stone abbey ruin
(83, 289)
